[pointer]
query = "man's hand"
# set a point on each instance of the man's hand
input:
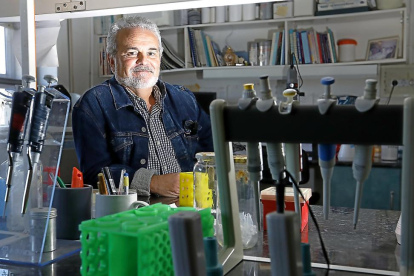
(166, 184)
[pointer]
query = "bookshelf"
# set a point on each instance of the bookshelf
(361, 26)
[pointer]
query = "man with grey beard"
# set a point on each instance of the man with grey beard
(136, 122)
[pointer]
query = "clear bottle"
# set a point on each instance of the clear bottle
(247, 206)
(205, 182)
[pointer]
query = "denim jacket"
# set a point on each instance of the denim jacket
(109, 132)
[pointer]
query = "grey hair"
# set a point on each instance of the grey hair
(130, 22)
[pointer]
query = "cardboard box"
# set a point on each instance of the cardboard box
(268, 197)
(282, 9)
(304, 7)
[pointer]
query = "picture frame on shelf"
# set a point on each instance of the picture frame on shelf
(382, 48)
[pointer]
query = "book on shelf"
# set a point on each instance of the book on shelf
(104, 65)
(170, 58)
(282, 62)
(218, 54)
(204, 51)
(311, 47)
(193, 48)
(273, 48)
(211, 54)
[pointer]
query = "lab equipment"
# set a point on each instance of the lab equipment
(361, 166)
(205, 181)
(112, 204)
(292, 151)
(268, 198)
(254, 53)
(48, 142)
(20, 117)
(187, 245)
(186, 197)
(42, 105)
(327, 152)
(382, 125)
(248, 197)
(121, 232)
(264, 51)
(214, 268)
(346, 48)
(43, 222)
(306, 260)
(73, 206)
(254, 153)
(283, 235)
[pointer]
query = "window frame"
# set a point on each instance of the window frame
(9, 77)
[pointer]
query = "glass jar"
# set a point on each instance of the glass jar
(247, 207)
(205, 182)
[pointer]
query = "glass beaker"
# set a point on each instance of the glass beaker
(205, 183)
(247, 207)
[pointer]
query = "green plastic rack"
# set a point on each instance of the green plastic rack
(134, 242)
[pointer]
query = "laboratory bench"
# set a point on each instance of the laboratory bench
(372, 245)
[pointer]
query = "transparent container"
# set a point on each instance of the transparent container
(247, 207)
(205, 181)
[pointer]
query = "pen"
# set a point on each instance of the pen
(105, 181)
(111, 180)
(121, 182)
(59, 181)
(102, 185)
(126, 183)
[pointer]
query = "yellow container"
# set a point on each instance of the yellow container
(186, 189)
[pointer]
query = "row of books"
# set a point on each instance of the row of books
(170, 60)
(311, 47)
(204, 51)
(104, 66)
(277, 50)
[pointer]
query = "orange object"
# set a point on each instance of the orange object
(268, 197)
(347, 41)
(77, 178)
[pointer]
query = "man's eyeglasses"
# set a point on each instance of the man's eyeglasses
(134, 54)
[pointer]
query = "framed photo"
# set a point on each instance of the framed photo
(382, 48)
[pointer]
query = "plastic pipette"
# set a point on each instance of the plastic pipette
(274, 150)
(254, 151)
(362, 163)
(20, 115)
(326, 152)
(41, 109)
(292, 151)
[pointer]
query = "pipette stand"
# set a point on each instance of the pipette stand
(15, 231)
(383, 125)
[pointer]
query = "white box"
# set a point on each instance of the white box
(161, 18)
(304, 7)
(282, 9)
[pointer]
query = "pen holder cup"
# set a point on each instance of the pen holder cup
(112, 204)
(73, 206)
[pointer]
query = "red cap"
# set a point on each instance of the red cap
(347, 41)
(77, 178)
